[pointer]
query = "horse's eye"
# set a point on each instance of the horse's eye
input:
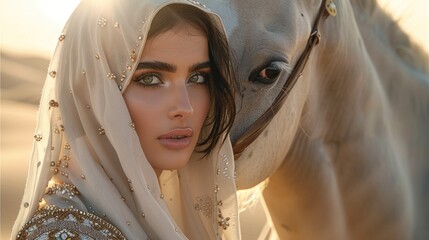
(268, 75)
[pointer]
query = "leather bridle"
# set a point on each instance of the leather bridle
(327, 8)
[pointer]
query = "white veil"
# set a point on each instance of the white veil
(85, 137)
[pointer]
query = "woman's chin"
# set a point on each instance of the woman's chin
(171, 161)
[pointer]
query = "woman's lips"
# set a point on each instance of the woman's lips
(177, 139)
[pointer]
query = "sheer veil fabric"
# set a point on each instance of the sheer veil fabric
(85, 137)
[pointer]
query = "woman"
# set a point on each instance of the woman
(132, 134)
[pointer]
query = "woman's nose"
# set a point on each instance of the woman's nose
(181, 107)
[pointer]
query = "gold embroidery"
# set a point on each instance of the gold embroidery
(38, 137)
(53, 103)
(204, 205)
(62, 37)
(64, 234)
(71, 223)
(223, 222)
(101, 131)
(64, 189)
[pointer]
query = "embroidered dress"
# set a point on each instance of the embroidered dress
(51, 222)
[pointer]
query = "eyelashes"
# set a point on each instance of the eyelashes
(149, 79)
(155, 79)
(199, 78)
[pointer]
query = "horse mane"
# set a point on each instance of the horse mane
(401, 43)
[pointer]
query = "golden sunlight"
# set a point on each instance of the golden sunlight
(29, 31)
(32, 27)
(412, 17)
(56, 10)
(40, 22)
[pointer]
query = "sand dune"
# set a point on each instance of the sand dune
(21, 84)
(17, 126)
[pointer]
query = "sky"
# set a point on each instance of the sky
(32, 27)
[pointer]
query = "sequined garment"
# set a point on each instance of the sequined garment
(56, 223)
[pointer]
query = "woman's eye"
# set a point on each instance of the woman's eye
(198, 78)
(149, 79)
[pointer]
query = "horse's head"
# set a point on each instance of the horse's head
(268, 38)
(352, 126)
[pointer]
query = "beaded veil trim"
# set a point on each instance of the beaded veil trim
(52, 222)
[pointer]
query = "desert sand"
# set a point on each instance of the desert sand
(21, 85)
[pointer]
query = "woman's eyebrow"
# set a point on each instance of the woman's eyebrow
(199, 66)
(155, 65)
(162, 66)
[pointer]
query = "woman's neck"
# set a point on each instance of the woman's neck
(158, 172)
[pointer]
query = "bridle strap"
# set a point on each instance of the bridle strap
(262, 122)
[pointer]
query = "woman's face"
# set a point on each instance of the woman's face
(168, 97)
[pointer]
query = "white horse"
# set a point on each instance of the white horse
(347, 152)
